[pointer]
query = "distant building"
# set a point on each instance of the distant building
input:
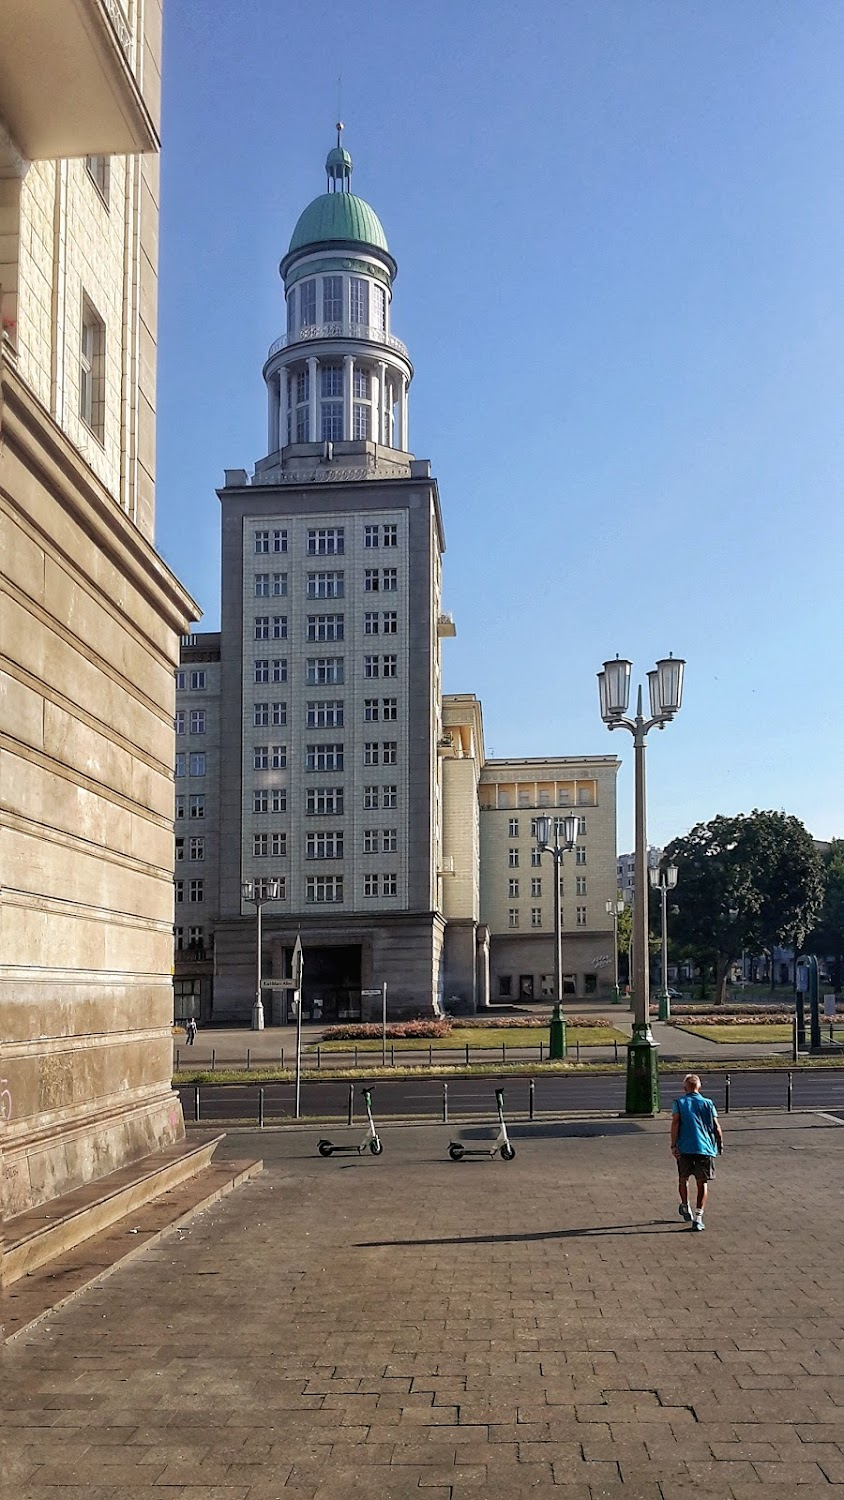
(625, 871)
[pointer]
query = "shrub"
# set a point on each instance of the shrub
(396, 1031)
(523, 1023)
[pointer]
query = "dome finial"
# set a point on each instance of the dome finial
(338, 165)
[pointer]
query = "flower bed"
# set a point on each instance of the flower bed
(524, 1023)
(397, 1031)
(719, 1018)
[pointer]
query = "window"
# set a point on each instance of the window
(370, 840)
(269, 844)
(535, 857)
(331, 422)
(536, 886)
(262, 670)
(513, 917)
(181, 804)
(324, 845)
(302, 428)
(331, 380)
(196, 848)
(536, 916)
(322, 671)
(370, 710)
(262, 887)
(327, 715)
(99, 171)
(278, 799)
(325, 627)
(389, 840)
(358, 299)
(196, 937)
(180, 890)
(332, 299)
(197, 681)
(389, 666)
(370, 885)
(181, 678)
(533, 828)
(371, 580)
(262, 627)
(92, 370)
(261, 715)
(581, 825)
(324, 799)
(196, 764)
(390, 622)
(512, 888)
(389, 580)
(371, 666)
(278, 669)
(391, 536)
(324, 757)
(370, 622)
(379, 308)
(262, 585)
(180, 850)
(371, 797)
(260, 802)
(361, 385)
(280, 540)
(196, 890)
(278, 629)
(389, 796)
(321, 888)
(270, 585)
(307, 303)
(505, 985)
(580, 915)
(513, 828)
(370, 536)
(262, 541)
(390, 752)
(180, 764)
(580, 855)
(197, 721)
(325, 585)
(196, 805)
(278, 585)
(513, 858)
(278, 757)
(261, 758)
(371, 752)
(580, 885)
(278, 844)
(389, 708)
(389, 885)
(360, 422)
(326, 542)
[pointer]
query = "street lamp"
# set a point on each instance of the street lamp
(614, 910)
(258, 893)
(545, 828)
(664, 884)
(665, 684)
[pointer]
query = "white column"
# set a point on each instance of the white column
(272, 414)
(379, 406)
(403, 441)
(348, 395)
(313, 413)
(283, 409)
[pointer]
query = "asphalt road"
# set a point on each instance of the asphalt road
(474, 1098)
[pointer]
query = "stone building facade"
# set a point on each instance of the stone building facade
(90, 617)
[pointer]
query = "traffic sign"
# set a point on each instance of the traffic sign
(298, 963)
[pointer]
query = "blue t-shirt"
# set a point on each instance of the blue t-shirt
(697, 1125)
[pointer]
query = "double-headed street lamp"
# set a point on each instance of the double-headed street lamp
(258, 893)
(664, 883)
(614, 910)
(545, 828)
(665, 683)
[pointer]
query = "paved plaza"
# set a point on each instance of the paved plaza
(407, 1326)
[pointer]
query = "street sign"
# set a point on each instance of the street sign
(370, 992)
(298, 963)
(278, 984)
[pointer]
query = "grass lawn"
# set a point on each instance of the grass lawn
(482, 1036)
(747, 1033)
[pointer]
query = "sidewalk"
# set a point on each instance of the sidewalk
(404, 1326)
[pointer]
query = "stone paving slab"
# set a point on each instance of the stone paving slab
(407, 1326)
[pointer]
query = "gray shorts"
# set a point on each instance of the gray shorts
(702, 1168)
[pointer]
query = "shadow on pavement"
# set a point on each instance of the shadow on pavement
(650, 1226)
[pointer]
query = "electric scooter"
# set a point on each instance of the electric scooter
(500, 1145)
(371, 1138)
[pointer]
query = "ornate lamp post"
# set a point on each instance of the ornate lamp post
(664, 884)
(545, 827)
(614, 910)
(258, 893)
(665, 683)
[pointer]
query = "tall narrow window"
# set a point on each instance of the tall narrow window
(92, 370)
(379, 308)
(307, 304)
(332, 299)
(359, 305)
(99, 171)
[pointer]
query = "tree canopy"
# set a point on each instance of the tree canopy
(746, 882)
(828, 931)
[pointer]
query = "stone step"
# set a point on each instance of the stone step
(40, 1234)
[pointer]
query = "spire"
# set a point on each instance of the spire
(338, 166)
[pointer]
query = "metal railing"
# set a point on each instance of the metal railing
(319, 1057)
(363, 331)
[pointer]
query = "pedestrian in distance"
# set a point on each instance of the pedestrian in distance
(696, 1139)
(191, 1031)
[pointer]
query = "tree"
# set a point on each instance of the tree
(828, 933)
(749, 881)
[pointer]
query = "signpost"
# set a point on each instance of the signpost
(298, 966)
(383, 993)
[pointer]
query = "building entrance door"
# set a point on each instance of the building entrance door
(330, 985)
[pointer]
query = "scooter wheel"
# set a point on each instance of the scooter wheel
(375, 1146)
(325, 1148)
(455, 1151)
(508, 1152)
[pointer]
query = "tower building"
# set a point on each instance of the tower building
(331, 632)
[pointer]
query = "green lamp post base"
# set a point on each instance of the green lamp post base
(642, 1096)
(557, 1046)
(664, 1006)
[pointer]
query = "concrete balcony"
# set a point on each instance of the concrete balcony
(67, 85)
(363, 332)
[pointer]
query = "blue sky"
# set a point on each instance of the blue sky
(620, 238)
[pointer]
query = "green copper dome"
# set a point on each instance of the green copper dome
(338, 216)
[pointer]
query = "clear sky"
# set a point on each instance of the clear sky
(620, 237)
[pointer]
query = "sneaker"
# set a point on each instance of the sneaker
(697, 1222)
(685, 1212)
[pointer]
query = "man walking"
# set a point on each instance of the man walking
(695, 1139)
